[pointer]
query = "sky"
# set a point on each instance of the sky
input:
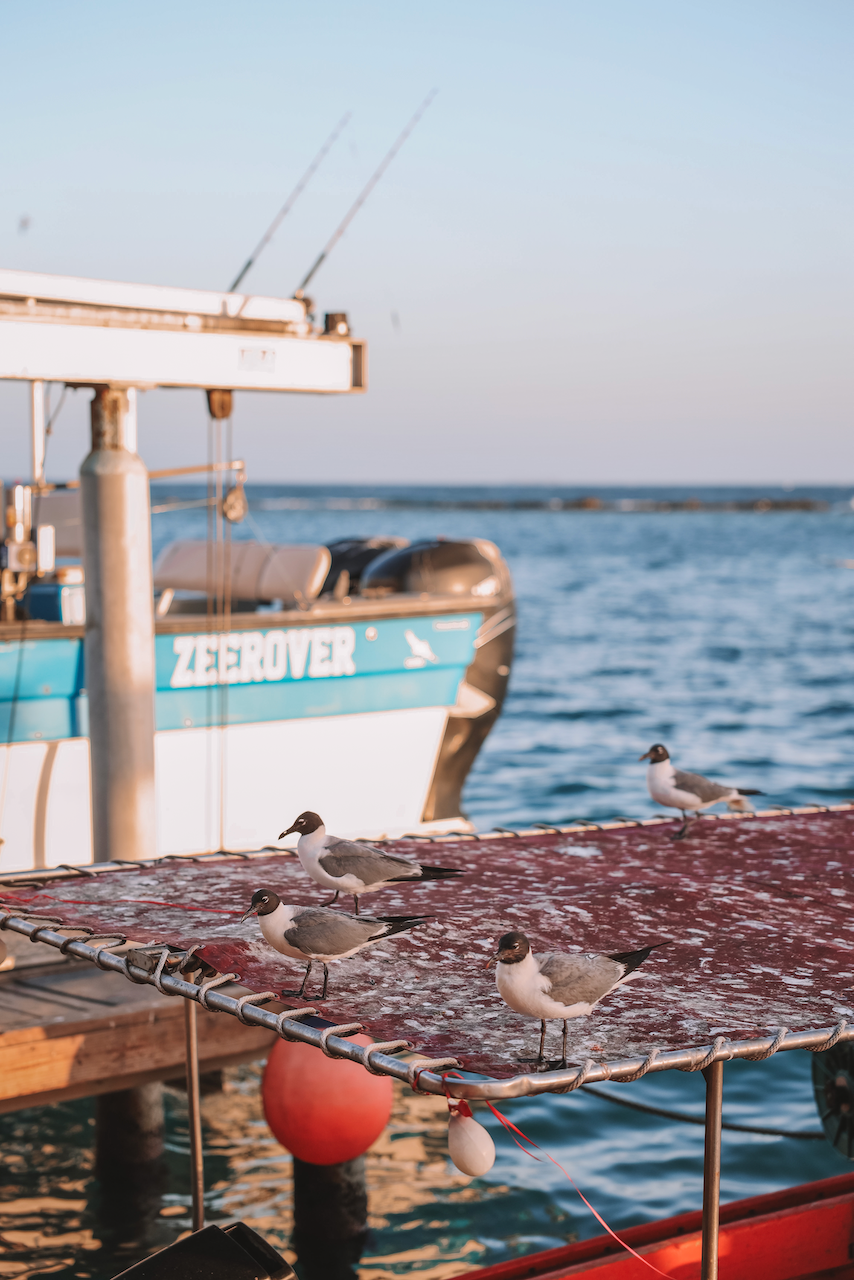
(617, 248)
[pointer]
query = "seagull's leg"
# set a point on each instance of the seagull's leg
(305, 979)
(331, 900)
(356, 902)
(325, 981)
(680, 834)
(541, 1057)
(563, 1058)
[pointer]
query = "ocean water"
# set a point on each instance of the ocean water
(727, 635)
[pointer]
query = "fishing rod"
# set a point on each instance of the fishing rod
(366, 191)
(292, 199)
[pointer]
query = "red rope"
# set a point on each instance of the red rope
(462, 1106)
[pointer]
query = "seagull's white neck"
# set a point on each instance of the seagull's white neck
(274, 923)
(662, 771)
(311, 843)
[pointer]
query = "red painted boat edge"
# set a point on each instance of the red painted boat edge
(602, 1248)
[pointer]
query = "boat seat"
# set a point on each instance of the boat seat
(259, 571)
(61, 508)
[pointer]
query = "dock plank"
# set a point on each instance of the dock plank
(73, 1031)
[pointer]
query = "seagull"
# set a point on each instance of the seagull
(556, 985)
(350, 867)
(688, 792)
(315, 933)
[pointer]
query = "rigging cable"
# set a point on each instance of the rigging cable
(365, 192)
(291, 200)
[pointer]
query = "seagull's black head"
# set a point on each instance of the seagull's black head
(263, 902)
(512, 949)
(656, 754)
(304, 824)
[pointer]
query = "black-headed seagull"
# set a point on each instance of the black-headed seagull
(558, 985)
(688, 792)
(348, 866)
(315, 933)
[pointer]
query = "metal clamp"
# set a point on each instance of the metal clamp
(255, 997)
(202, 997)
(345, 1029)
(385, 1046)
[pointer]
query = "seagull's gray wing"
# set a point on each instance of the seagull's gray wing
(348, 857)
(577, 979)
(697, 785)
(319, 932)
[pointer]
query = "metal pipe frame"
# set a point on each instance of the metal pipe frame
(426, 1074)
(714, 1075)
(194, 1115)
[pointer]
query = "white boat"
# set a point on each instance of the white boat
(364, 695)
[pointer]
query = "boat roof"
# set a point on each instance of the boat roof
(757, 910)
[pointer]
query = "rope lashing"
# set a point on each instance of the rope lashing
(293, 1015)
(831, 1039)
(782, 1032)
(345, 1029)
(384, 1046)
(646, 1065)
(254, 997)
(417, 1069)
(715, 1052)
(209, 986)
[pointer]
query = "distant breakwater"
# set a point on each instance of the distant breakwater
(590, 503)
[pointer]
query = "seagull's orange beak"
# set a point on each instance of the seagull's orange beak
(646, 755)
(492, 960)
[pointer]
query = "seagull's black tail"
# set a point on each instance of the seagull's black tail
(439, 873)
(745, 791)
(634, 959)
(399, 923)
(428, 873)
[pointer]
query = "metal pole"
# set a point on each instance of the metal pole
(38, 430)
(119, 635)
(194, 1115)
(712, 1169)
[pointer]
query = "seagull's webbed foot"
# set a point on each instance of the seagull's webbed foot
(563, 1048)
(683, 830)
(305, 979)
(325, 982)
(356, 902)
(331, 900)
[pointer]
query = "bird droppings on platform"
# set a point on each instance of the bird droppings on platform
(760, 911)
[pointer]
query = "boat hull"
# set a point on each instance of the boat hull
(802, 1233)
(369, 715)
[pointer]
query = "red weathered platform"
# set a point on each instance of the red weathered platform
(759, 910)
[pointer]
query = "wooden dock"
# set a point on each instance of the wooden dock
(69, 1030)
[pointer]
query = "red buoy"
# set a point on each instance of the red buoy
(323, 1110)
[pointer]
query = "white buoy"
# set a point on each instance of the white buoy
(469, 1145)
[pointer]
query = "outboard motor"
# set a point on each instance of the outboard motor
(350, 558)
(439, 567)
